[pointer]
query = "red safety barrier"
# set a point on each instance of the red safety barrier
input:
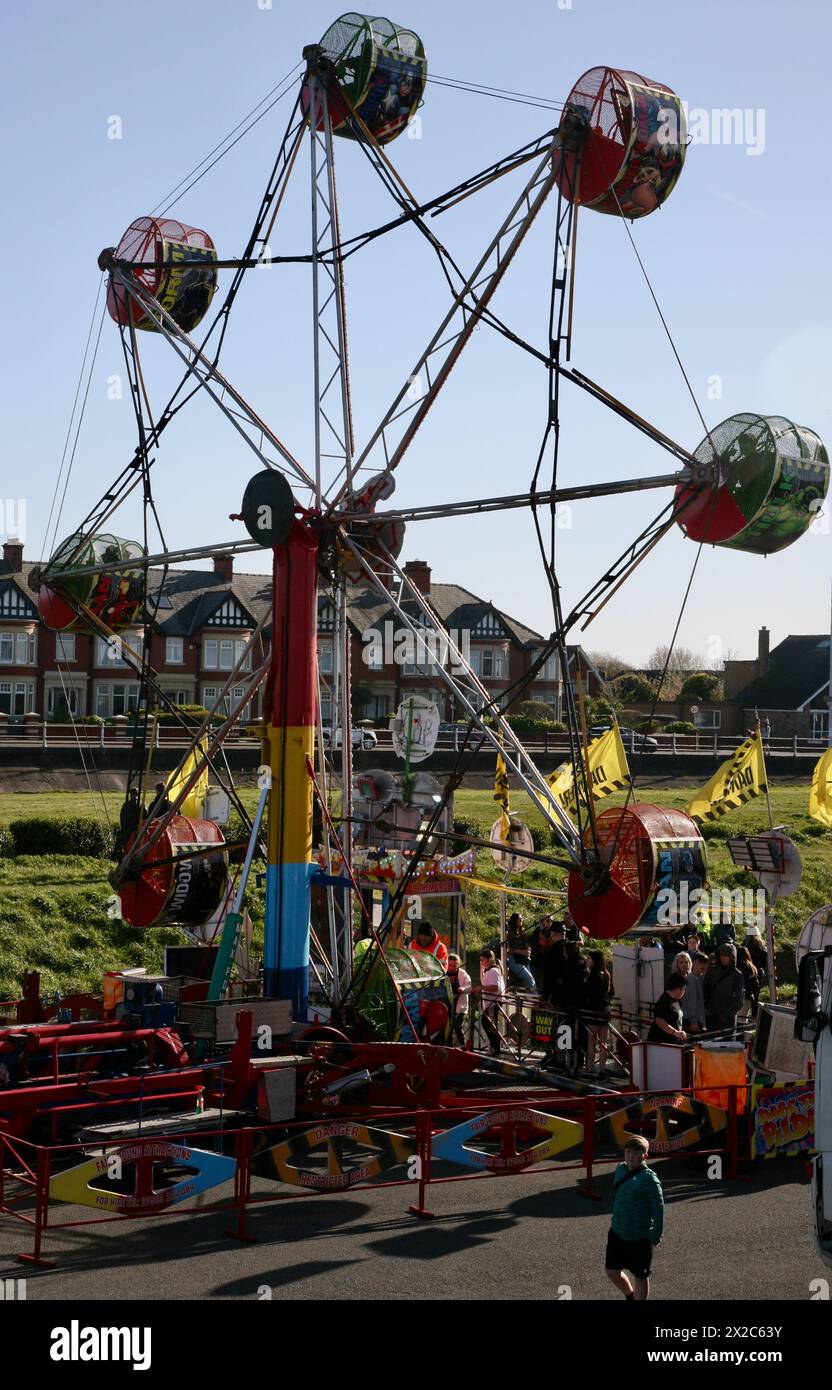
(31, 1174)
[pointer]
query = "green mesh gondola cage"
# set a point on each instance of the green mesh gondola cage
(382, 70)
(774, 476)
(422, 985)
(179, 271)
(634, 146)
(116, 597)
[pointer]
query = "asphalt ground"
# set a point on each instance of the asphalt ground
(519, 1238)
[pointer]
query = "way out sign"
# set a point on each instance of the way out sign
(268, 508)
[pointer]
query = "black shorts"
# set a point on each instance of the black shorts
(634, 1255)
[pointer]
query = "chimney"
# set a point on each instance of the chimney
(762, 651)
(224, 565)
(13, 555)
(418, 571)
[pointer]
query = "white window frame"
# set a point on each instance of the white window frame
(214, 658)
(172, 645)
(127, 690)
(325, 658)
(104, 659)
(708, 720)
(66, 647)
(18, 648)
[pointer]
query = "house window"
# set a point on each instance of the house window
(18, 648)
(707, 719)
(118, 698)
(223, 653)
(549, 669)
(17, 697)
(488, 662)
(325, 658)
(232, 702)
(65, 646)
(109, 652)
(821, 723)
(326, 707)
(174, 651)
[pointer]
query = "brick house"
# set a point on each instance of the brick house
(202, 621)
(500, 650)
(788, 685)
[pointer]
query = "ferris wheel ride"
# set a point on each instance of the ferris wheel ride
(753, 484)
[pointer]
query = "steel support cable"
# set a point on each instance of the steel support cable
(104, 826)
(80, 422)
(72, 413)
(175, 190)
(140, 400)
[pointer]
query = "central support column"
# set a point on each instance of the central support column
(289, 741)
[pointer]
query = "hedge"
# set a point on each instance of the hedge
(80, 835)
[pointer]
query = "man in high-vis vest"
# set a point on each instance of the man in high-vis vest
(428, 940)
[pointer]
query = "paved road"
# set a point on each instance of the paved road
(522, 1238)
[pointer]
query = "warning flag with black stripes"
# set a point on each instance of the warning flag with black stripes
(739, 779)
(608, 771)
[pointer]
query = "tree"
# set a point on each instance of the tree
(535, 709)
(681, 659)
(700, 685)
(633, 688)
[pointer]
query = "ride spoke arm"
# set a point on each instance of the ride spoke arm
(457, 326)
(209, 376)
(502, 737)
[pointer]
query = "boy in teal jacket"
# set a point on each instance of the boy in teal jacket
(637, 1221)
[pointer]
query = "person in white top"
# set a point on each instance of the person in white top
(493, 988)
(461, 986)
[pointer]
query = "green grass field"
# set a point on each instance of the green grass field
(53, 909)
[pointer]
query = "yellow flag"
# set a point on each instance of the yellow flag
(739, 779)
(820, 794)
(608, 771)
(193, 803)
(501, 795)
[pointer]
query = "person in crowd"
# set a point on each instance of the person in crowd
(675, 942)
(519, 953)
(723, 934)
(693, 1003)
(541, 941)
(130, 815)
(574, 983)
(461, 985)
(696, 940)
(597, 994)
(755, 947)
(751, 983)
(493, 988)
(637, 1222)
(161, 803)
(723, 989)
(571, 929)
(667, 1014)
(428, 940)
(554, 966)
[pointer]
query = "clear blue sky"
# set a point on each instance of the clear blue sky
(739, 258)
